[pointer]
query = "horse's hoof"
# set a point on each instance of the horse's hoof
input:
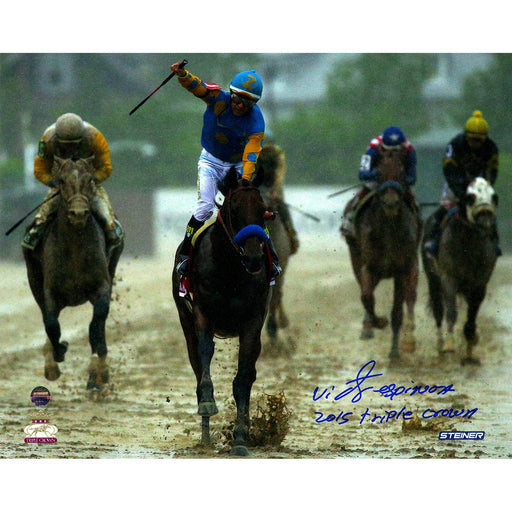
(366, 335)
(470, 360)
(61, 351)
(207, 409)
(92, 385)
(239, 451)
(52, 373)
(394, 356)
(380, 322)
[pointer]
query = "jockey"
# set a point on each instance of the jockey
(391, 142)
(71, 137)
(468, 155)
(232, 135)
(270, 172)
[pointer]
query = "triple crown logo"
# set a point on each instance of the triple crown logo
(40, 431)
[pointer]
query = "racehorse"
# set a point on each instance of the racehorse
(269, 178)
(277, 317)
(388, 228)
(230, 285)
(70, 266)
(464, 264)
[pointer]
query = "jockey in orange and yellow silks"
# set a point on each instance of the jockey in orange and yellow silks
(71, 137)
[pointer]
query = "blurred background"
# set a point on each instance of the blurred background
(321, 108)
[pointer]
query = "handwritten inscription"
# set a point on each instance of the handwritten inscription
(357, 387)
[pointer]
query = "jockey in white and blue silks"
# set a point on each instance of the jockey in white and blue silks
(232, 135)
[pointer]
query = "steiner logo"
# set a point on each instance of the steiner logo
(464, 435)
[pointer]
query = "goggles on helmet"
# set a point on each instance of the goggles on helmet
(243, 100)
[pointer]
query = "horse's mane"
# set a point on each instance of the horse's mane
(270, 167)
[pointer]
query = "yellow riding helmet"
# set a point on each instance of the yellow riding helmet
(476, 126)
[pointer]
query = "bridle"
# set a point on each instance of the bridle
(228, 223)
(237, 239)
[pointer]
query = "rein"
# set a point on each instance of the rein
(228, 227)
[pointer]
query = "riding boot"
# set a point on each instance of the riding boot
(433, 237)
(347, 224)
(276, 268)
(113, 237)
(186, 246)
(32, 236)
(347, 219)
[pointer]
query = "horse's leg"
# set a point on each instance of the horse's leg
(201, 347)
(52, 327)
(98, 367)
(474, 300)
(410, 295)
(249, 350)
(397, 314)
(368, 284)
(51, 368)
(450, 296)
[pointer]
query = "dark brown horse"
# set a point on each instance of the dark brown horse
(70, 267)
(464, 265)
(229, 276)
(388, 228)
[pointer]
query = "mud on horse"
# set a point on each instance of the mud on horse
(388, 228)
(230, 283)
(464, 264)
(70, 266)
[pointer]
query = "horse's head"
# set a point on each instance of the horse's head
(243, 214)
(77, 187)
(481, 201)
(391, 194)
(391, 164)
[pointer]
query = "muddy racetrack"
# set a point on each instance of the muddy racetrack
(149, 410)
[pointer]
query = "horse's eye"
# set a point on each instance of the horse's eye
(471, 199)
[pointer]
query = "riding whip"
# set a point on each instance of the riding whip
(31, 211)
(309, 215)
(183, 63)
(343, 191)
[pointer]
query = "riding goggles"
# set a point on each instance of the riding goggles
(242, 100)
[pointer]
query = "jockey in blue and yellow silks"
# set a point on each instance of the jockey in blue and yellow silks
(232, 135)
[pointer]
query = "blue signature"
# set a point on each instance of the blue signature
(355, 387)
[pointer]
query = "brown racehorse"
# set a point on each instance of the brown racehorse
(70, 266)
(388, 228)
(229, 276)
(277, 317)
(464, 264)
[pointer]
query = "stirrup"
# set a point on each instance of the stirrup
(276, 270)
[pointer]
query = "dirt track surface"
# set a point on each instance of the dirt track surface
(150, 408)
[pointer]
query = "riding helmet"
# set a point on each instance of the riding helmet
(476, 126)
(247, 83)
(392, 137)
(69, 128)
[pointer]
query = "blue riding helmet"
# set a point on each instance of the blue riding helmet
(247, 83)
(392, 137)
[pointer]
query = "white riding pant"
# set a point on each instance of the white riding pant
(211, 172)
